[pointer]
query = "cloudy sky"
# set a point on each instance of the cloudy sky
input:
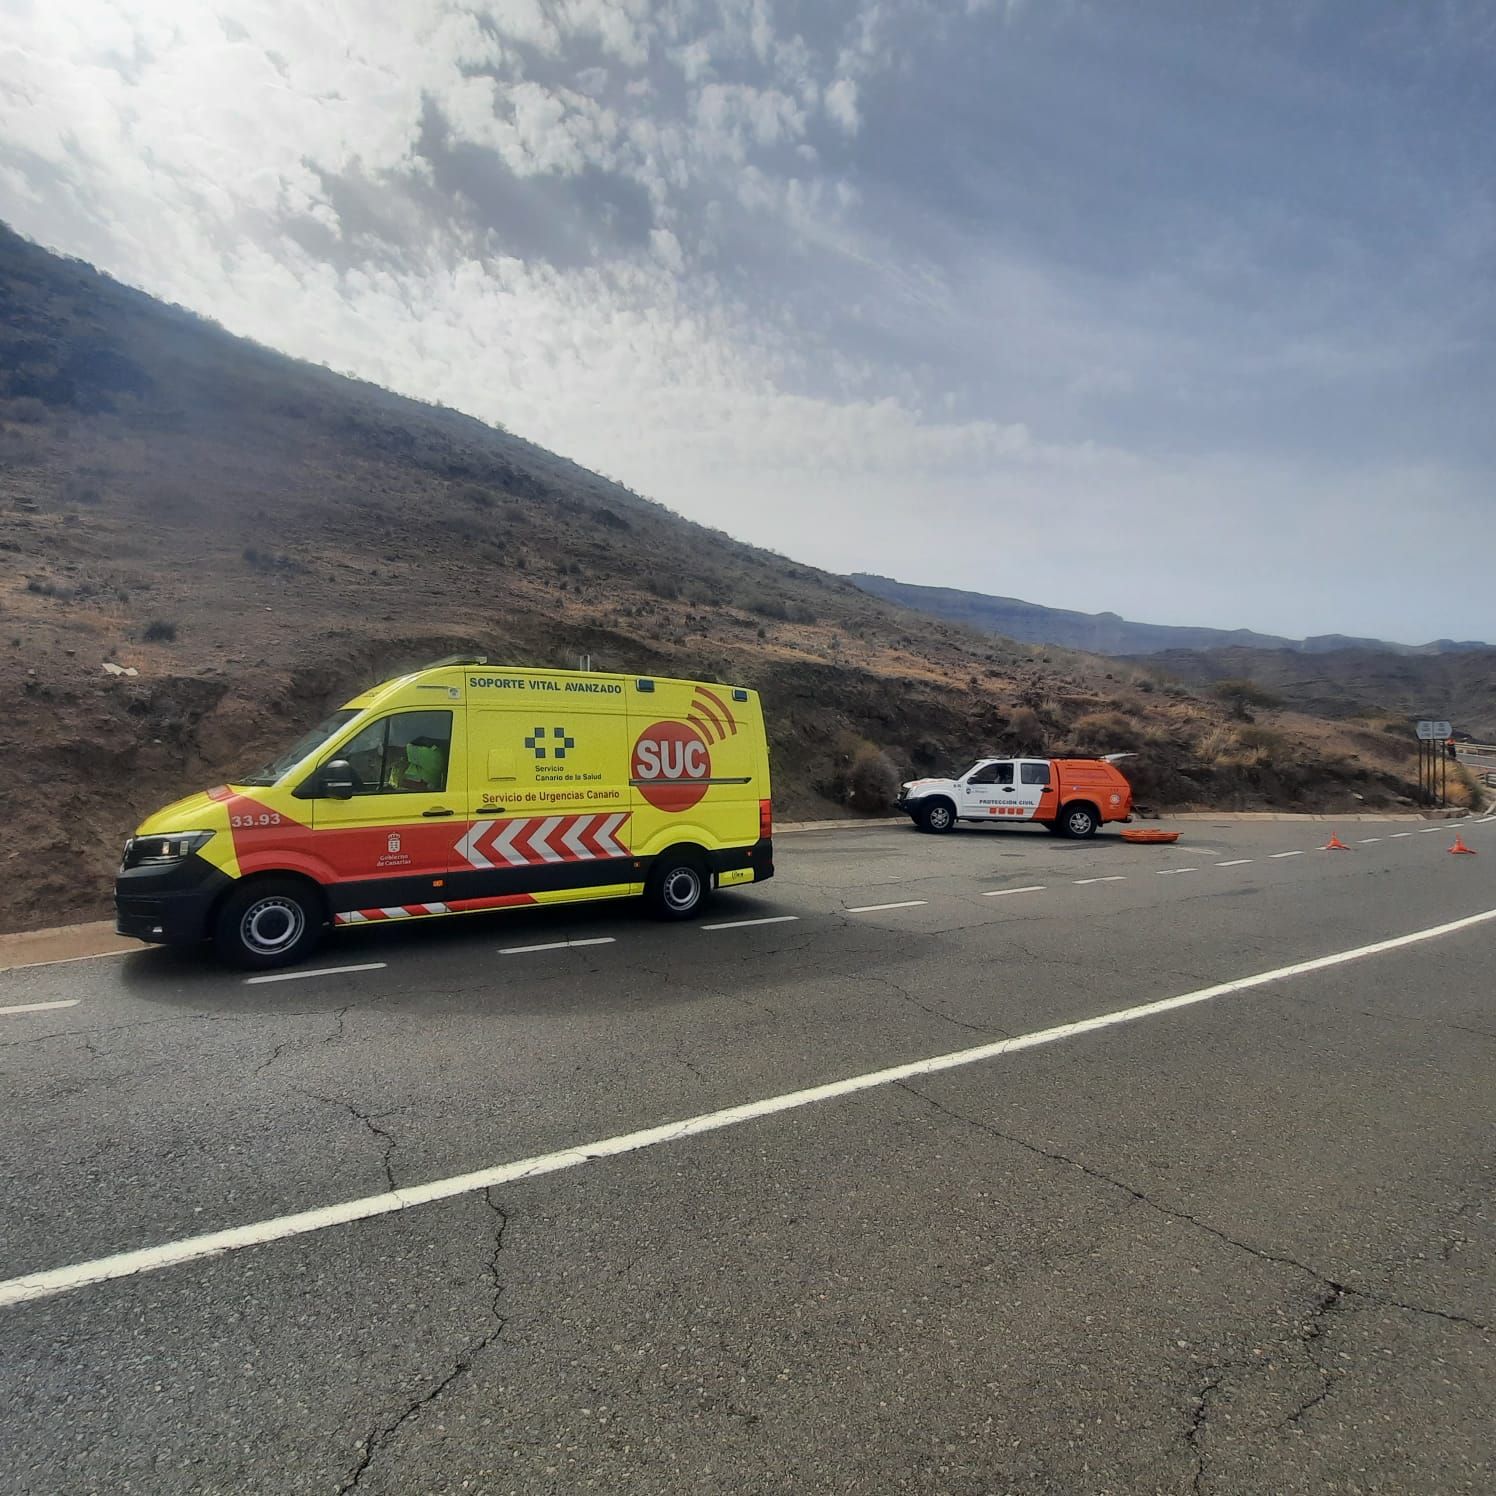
(1184, 310)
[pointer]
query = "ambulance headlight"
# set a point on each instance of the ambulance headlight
(158, 851)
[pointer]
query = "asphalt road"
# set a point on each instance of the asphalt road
(1243, 1244)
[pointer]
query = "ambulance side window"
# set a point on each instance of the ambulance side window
(366, 754)
(403, 754)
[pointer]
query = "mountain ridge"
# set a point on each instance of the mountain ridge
(1109, 633)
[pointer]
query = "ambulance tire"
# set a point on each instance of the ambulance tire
(936, 816)
(268, 922)
(678, 886)
(1079, 821)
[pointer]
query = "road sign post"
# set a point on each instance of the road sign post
(1433, 767)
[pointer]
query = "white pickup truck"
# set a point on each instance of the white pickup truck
(1070, 796)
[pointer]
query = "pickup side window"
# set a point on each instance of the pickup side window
(1036, 774)
(992, 774)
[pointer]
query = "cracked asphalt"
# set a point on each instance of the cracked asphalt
(1242, 1247)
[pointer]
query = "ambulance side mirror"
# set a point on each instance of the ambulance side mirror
(335, 780)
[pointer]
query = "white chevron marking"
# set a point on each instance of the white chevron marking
(572, 840)
(503, 843)
(467, 848)
(540, 840)
(607, 836)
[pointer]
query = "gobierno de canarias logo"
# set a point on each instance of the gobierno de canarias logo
(672, 761)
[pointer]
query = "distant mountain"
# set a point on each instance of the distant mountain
(1458, 686)
(1109, 633)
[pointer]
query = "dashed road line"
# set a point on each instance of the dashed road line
(1002, 893)
(554, 945)
(46, 1283)
(1174, 872)
(321, 971)
(1366, 841)
(1398, 835)
(1235, 862)
(1114, 878)
(1277, 855)
(874, 908)
(71, 1002)
(743, 924)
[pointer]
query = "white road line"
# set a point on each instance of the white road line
(1277, 855)
(1434, 830)
(1174, 872)
(555, 945)
(1002, 893)
(1114, 878)
(1237, 862)
(71, 1002)
(1398, 835)
(1366, 841)
(40, 1285)
(743, 924)
(321, 971)
(874, 908)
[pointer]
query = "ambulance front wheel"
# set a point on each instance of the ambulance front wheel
(678, 886)
(268, 922)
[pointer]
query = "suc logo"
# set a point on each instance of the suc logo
(672, 766)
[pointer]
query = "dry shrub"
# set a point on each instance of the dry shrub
(1026, 730)
(873, 781)
(1262, 738)
(1105, 732)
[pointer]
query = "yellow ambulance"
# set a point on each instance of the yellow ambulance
(464, 787)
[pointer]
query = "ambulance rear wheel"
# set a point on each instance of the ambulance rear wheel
(678, 886)
(268, 922)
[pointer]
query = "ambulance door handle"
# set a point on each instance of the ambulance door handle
(430, 813)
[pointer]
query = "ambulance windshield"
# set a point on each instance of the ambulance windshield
(293, 755)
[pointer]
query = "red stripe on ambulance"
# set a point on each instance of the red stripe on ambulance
(417, 911)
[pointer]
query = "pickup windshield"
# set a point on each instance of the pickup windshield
(309, 743)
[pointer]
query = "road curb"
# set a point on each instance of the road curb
(62, 943)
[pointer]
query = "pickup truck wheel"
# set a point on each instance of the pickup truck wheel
(268, 922)
(1078, 821)
(678, 887)
(936, 816)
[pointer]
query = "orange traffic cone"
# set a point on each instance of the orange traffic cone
(1335, 844)
(1459, 845)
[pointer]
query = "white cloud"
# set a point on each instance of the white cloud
(841, 104)
(755, 317)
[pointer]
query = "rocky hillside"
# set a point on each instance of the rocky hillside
(255, 539)
(1110, 633)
